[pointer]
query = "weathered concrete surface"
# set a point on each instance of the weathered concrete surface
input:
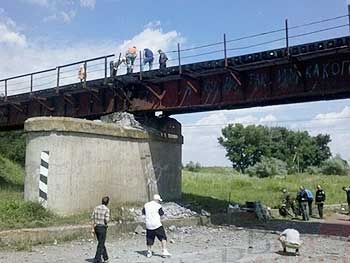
(90, 159)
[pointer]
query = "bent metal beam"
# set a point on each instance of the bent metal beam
(309, 72)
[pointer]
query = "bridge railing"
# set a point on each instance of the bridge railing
(99, 67)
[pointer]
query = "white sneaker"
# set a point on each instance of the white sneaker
(149, 254)
(166, 253)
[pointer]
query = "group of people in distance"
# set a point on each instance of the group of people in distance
(303, 204)
(152, 212)
(130, 57)
(129, 61)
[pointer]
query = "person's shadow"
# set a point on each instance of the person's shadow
(90, 260)
(288, 254)
(144, 253)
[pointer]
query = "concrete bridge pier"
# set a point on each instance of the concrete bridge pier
(71, 163)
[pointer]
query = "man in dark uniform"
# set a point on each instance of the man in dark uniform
(303, 203)
(347, 191)
(320, 197)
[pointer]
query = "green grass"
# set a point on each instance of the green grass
(224, 186)
(210, 189)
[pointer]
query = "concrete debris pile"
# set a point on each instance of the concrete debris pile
(122, 119)
(171, 211)
(263, 213)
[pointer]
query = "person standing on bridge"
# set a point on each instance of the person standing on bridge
(100, 218)
(130, 57)
(114, 65)
(162, 59)
(148, 58)
(82, 73)
(154, 228)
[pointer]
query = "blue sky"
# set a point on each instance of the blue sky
(37, 34)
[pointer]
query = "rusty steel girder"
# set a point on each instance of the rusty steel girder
(237, 82)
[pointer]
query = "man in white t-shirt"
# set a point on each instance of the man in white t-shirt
(290, 238)
(154, 228)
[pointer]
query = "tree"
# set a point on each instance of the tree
(244, 145)
(13, 145)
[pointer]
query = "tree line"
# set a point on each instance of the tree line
(295, 151)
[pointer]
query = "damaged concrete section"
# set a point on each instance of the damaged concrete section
(71, 163)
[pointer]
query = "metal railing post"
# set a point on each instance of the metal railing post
(349, 15)
(225, 51)
(140, 65)
(31, 83)
(179, 57)
(120, 57)
(5, 89)
(58, 79)
(287, 37)
(105, 69)
(85, 71)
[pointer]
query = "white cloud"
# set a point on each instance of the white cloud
(67, 16)
(9, 33)
(88, 3)
(200, 138)
(7, 36)
(38, 2)
(45, 53)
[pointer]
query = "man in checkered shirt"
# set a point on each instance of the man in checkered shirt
(100, 218)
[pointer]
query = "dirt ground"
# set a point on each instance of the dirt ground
(193, 244)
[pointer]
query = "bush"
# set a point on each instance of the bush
(19, 214)
(313, 170)
(193, 167)
(268, 167)
(335, 166)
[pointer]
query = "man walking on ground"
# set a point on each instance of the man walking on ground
(290, 238)
(320, 197)
(100, 218)
(153, 211)
(310, 199)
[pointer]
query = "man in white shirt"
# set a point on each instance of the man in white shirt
(154, 228)
(290, 238)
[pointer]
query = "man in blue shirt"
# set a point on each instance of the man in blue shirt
(310, 199)
(148, 58)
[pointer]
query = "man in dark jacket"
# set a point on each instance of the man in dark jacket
(320, 197)
(347, 191)
(303, 203)
(148, 58)
(162, 59)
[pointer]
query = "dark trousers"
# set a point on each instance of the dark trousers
(162, 65)
(320, 209)
(304, 210)
(101, 233)
(310, 206)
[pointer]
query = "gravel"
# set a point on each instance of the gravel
(193, 245)
(171, 211)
